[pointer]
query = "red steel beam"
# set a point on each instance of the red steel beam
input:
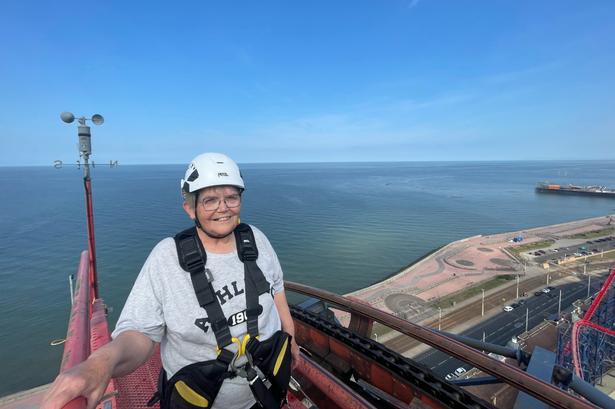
(77, 346)
(521, 380)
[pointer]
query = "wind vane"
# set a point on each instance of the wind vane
(85, 142)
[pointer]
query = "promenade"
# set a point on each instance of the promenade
(462, 264)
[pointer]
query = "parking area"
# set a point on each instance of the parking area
(578, 248)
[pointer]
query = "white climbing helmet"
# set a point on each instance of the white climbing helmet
(211, 169)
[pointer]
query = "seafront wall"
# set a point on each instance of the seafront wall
(530, 235)
(409, 268)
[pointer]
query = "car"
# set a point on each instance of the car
(601, 241)
(552, 295)
(542, 252)
(537, 293)
(508, 308)
(554, 250)
(546, 290)
(564, 248)
(582, 248)
(551, 288)
(460, 371)
(589, 242)
(595, 250)
(577, 254)
(515, 305)
(537, 254)
(451, 375)
(609, 238)
(522, 301)
(507, 241)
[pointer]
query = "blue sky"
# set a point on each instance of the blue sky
(317, 81)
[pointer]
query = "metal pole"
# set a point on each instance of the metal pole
(70, 283)
(483, 307)
(589, 280)
(517, 288)
(559, 307)
(483, 336)
(527, 318)
(547, 278)
(440, 319)
(585, 267)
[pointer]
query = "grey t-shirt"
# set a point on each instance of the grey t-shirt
(163, 306)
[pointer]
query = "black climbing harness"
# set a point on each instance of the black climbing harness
(197, 385)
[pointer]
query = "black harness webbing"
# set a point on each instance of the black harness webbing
(255, 281)
(193, 258)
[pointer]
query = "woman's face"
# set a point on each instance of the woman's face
(221, 221)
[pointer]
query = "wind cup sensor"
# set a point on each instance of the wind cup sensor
(85, 140)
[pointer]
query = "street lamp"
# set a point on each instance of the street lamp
(440, 319)
(483, 309)
(517, 287)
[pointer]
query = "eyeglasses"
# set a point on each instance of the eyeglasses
(212, 203)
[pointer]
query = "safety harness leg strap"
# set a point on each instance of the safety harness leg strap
(259, 390)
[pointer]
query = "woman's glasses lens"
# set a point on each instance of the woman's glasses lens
(212, 203)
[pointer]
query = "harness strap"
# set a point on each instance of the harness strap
(255, 281)
(193, 259)
(259, 390)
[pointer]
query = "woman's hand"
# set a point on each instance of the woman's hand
(295, 354)
(88, 379)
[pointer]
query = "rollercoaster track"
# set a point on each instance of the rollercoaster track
(521, 380)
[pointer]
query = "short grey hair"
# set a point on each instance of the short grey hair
(190, 198)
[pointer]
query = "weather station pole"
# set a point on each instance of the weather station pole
(483, 306)
(85, 150)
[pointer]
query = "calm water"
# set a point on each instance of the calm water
(336, 226)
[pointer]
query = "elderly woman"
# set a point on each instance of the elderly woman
(177, 305)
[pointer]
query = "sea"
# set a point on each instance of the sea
(336, 226)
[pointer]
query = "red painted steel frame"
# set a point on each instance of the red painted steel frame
(91, 240)
(77, 346)
(521, 380)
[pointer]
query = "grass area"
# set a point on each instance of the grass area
(517, 250)
(592, 234)
(488, 285)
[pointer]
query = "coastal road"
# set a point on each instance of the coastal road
(460, 314)
(502, 327)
